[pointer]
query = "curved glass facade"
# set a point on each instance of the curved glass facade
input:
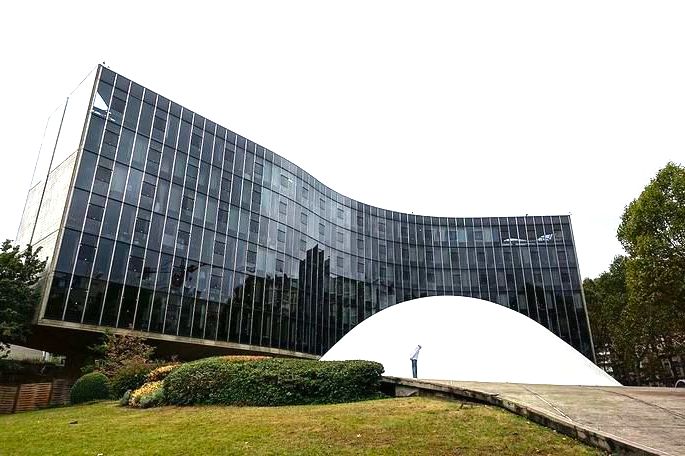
(179, 226)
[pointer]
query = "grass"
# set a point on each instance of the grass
(413, 426)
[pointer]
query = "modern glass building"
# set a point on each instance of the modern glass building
(158, 220)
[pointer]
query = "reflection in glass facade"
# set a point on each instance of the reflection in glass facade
(177, 226)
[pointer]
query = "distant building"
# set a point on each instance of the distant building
(603, 359)
(19, 353)
(665, 370)
(158, 220)
(674, 367)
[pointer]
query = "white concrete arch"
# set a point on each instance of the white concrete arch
(466, 339)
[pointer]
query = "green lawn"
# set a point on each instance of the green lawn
(412, 426)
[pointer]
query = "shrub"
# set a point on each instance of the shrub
(161, 372)
(241, 358)
(148, 395)
(90, 387)
(125, 398)
(272, 382)
(130, 376)
(117, 350)
(154, 399)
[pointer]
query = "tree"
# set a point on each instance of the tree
(19, 296)
(606, 300)
(118, 350)
(652, 231)
(637, 307)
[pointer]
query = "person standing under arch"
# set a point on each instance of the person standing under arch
(414, 359)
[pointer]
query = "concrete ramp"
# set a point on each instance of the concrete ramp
(623, 420)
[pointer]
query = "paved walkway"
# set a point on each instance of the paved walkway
(647, 420)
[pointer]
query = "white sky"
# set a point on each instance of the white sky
(437, 108)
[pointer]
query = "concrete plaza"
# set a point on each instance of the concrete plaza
(625, 420)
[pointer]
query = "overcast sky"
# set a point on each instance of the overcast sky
(475, 109)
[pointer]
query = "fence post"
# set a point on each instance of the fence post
(16, 399)
(52, 388)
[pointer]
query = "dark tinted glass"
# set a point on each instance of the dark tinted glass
(232, 242)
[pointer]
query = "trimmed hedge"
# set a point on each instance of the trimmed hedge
(272, 382)
(90, 387)
(130, 376)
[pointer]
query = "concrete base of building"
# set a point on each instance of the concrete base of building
(73, 339)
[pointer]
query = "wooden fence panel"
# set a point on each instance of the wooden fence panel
(33, 396)
(8, 395)
(61, 390)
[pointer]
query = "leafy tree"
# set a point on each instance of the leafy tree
(19, 273)
(637, 307)
(652, 232)
(613, 331)
(120, 350)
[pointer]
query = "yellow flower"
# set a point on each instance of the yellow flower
(147, 388)
(244, 357)
(161, 372)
